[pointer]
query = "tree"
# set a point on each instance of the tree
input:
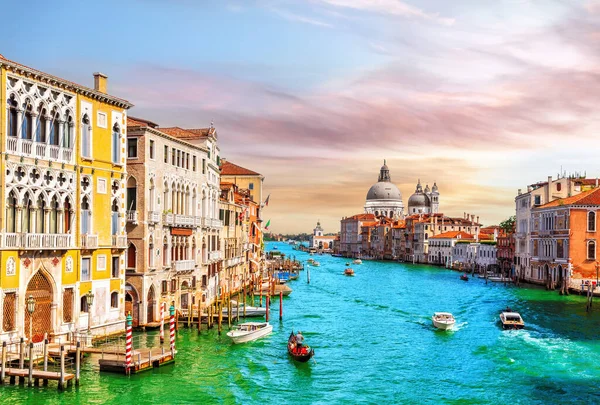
(509, 224)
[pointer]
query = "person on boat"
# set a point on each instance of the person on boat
(299, 339)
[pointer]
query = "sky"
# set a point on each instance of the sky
(481, 96)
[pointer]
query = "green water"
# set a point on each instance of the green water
(374, 343)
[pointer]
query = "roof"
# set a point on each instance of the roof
(453, 235)
(87, 90)
(361, 217)
(177, 132)
(139, 122)
(590, 197)
(230, 169)
(489, 229)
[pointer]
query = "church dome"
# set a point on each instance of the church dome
(384, 190)
(418, 200)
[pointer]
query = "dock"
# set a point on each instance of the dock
(141, 360)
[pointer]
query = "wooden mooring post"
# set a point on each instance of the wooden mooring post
(22, 353)
(77, 363)
(3, 365)
(307, 274)
(280, 305)
(46, 354)
(267, 309)
(61, 381)
(30, 376)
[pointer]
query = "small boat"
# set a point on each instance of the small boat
(464, 277)
(511, 320)
(275, 248)
(443, 320)
(249, 331)
(357, 261)
(251, 312)
(349, 272)
(316, 263)
(347, 263)
(302, 353)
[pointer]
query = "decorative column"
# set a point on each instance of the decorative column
(19, 219)
(47, 219)
(128, 343)
(172, 330)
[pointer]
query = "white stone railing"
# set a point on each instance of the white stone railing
(184, 220)
(89, 241)
(132, 216)
(216, 255)
(153, 217)
(39, 149)
(184, 265)
(233, 261)
(168, 219)
(37, 240)
(198, 221)
(119, 241)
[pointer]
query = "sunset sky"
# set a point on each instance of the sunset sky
(483, 97)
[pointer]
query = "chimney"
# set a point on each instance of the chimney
(477, 218)
(548, 190)
(519, 192)
(596, 181)
(100, 80)
(529, 189)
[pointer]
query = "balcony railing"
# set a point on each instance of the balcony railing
(39, 150)
(216, 255)
(37, 240)
(132, 216)
(232, 261)
(89, 241)
(184, 265)
(153, 217)
(184, 220)
(216, 223)
(168, 219)
(119, 241)
(198, 221)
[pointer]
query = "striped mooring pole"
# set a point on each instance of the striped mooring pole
(128, 345)
(162, 322)
(172, 329)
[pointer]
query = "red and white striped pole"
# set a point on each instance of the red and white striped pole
(128, 345)
(172, 328)
(162, 322)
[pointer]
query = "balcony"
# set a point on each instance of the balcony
(168, 219)
(89, 241)
(119, 241)
(198, 221)
(39, 150)
(153, 217)
(37, 241)
(216, 223)
(232, 261)
(184, 220)
(132, 217)
(184, 265)
(216, 255)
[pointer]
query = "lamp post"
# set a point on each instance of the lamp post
(31, 309)
(89, 298)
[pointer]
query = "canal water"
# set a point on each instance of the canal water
(374, 343)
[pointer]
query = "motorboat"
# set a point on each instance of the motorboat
(464, 277)
(316, 263)
(249, 331)
(443, 320)
(347, 263)
(511, 320)
(349, 272)
(251, 312)
(302, 352)
(357, 261)
(277, 288)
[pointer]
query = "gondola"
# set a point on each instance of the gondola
(303, 354)
(464, 277)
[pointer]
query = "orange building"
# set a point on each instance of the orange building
(564, 237)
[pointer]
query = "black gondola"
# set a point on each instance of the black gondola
(464, 277)
(301, 354)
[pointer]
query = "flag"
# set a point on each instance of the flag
(268, 224)
(242, 214)
(266, 204)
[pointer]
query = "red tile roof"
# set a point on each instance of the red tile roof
(453, 235)
(363, 217)
(590, 197)
(139, 122)
(177, 132)
(230, 169)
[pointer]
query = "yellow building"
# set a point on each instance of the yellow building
(63, 205)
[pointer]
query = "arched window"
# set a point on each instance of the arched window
(114, 299)
(41, 129)
(13, 117)
(27, 214)
(67, 140)
(54, 215)
(86, 136)
(67, 216)
(85, 216)
(54, 129)
(591, 250)
(151, 252)
(591, 221)
(116, 144)
(558, 186)
(40, 223)
(27, 128)
(165, 252)
(11, 213)
(115, 217)
(131, 253)
(83, 303)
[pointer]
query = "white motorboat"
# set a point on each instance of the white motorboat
(249, 331)
(357, 261)
(251, 312)
(511, 320)
(316, 263)
(443, 320)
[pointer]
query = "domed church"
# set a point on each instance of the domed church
(384, 198)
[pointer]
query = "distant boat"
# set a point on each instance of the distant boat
(316, 263)
(302, 353)
(349, 272)
(357, 261)
(275, 248)
(443, 320)
(251, 312)
(249, 331)
(464, 277)
(347, 263)
(511, 320)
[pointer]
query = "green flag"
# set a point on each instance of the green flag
(268, 224)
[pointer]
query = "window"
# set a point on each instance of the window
(101, 119)
(68, 305)
(86, 137)
(83, 304)
(538, 200)
(116, 144)
(13, 121)
(560, 249)
(85, 269)
(114, 269)
(591, 250)
(591, 221)
(194, 163)
(101, 263)
(251, 186)
(85, 216)
(558, 186)
(67, 141)
(164, 287)
(203, 166)
(173, 285)
(151, 149)
(166, 154)
(114, 299)
(173, 157)
(9, 312)
(27, 124)
(132, 148)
